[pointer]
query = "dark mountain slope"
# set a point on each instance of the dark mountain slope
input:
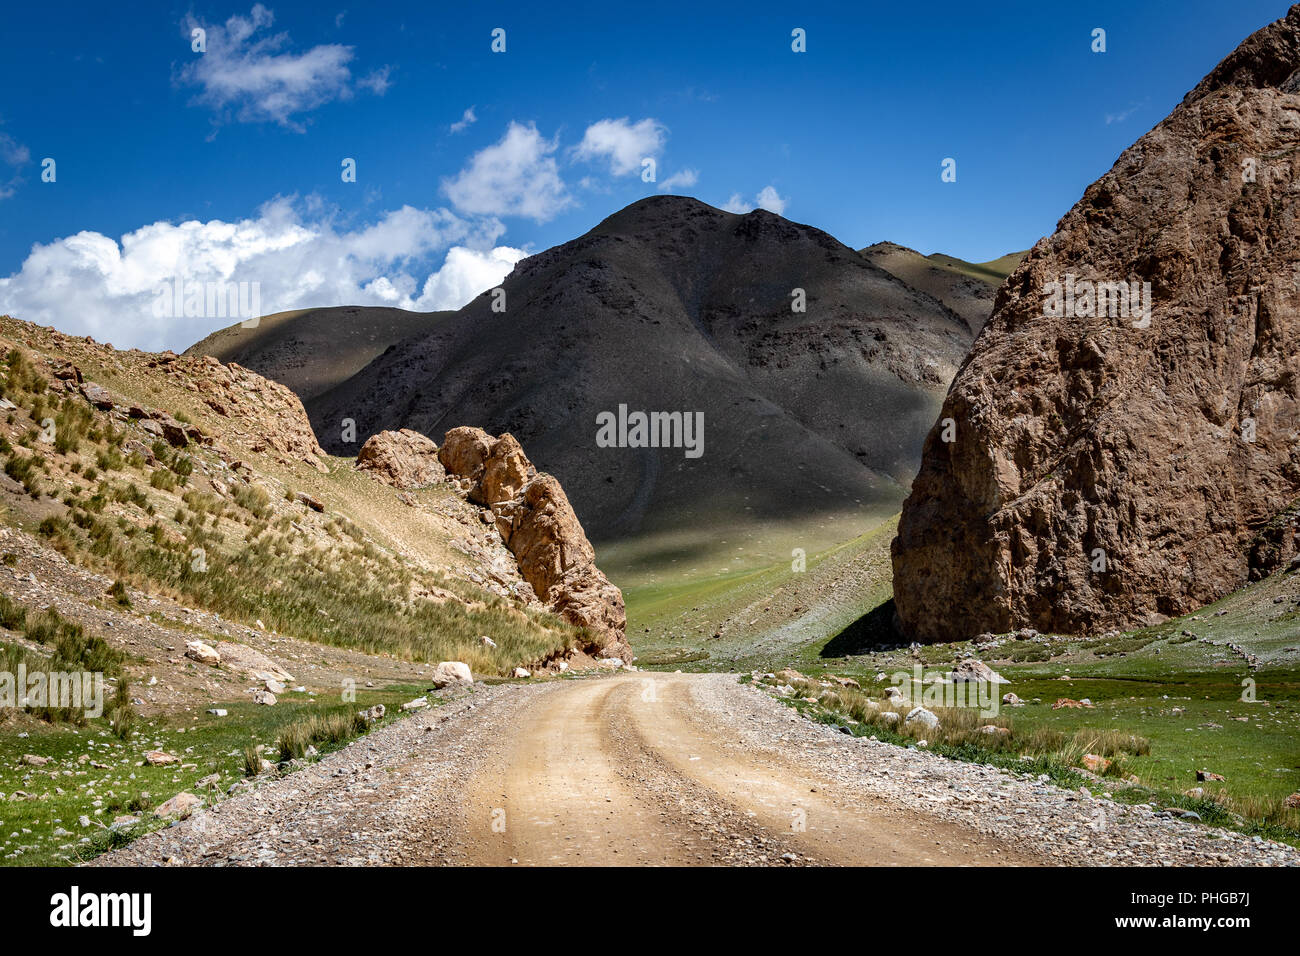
(313, 350)
(672, 305)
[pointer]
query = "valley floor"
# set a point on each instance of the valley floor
(694, 769)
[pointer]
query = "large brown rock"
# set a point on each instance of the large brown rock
(1107, 471)
(539, 526)
(505, 473)
(464, 450)
(404, 459)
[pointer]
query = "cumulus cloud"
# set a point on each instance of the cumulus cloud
(517, 176)
(768, 198)
(249, 73)
(622, 143)
(90, 284)
(683, 179)
(467, 119)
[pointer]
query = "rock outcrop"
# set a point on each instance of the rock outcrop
(404, 459)
(258, 409)
(538, 525)
(1099, 467)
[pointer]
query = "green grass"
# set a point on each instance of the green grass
(766, 616)
(1154, 751)
(206, 745)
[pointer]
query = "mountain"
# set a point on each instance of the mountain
(965, 287)
(313, 350)
(1111, 468)
(669, 305)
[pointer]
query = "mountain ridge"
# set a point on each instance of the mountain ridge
(670, 304)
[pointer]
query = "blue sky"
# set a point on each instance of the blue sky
(245, 140)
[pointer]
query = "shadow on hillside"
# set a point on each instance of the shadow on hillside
(868, 633)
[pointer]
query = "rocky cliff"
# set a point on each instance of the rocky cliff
(1098, 463)
(538, 525)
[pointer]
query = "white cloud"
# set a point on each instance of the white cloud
(622, 143)
(89, 284)
(376, 81)
(465, 273)
(683, 179)
(467, 119)
(1122, 115)
(768, 198)
(251, 75)
(517, 176)
(13, 154)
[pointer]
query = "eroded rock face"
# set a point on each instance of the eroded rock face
(404, 459)
(464, 450)
(1106, 471)
(256, 409)
(539, 526)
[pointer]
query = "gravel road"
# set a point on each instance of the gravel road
(663, 769)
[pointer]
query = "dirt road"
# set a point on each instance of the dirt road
(663, 769)
(625, 770)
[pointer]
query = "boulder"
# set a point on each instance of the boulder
(1095, 763)
(33, 760)
(1066, 703)
(160, 758)
(97, 395)
(198, 651)
(404, 459)
(464, 450)
(920, 717)
(264, 697)
(247, 662)
(1205, 775)
(973, 671)
(1011, 700)
(505, 472)
(523, 672)
(181, 805)
(452, 674)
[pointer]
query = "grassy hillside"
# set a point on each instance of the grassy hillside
(759, 617)
(119, 546)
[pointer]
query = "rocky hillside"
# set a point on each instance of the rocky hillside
(1108, 470)
(670, 305)
(201, 483)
